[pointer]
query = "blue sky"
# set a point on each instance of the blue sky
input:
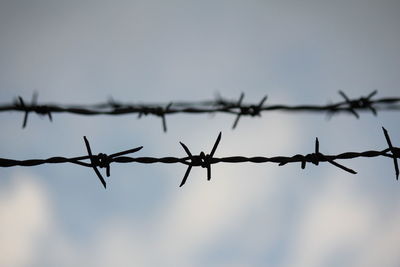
(296, 52)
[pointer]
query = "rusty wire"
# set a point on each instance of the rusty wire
(237, 108)
(204, 160)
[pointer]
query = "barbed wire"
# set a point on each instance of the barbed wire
(204, 160)
(219, 105)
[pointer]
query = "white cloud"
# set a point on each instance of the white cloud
(382, 249)
(339, 228)
(24, 216)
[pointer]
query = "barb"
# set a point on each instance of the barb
(103, 160)
(316, 158)
(41, 110)
(395, 152)
(251, 110)
(219, 105)
(361, 103)
(206, 160)
(202, 160)
(157, 111)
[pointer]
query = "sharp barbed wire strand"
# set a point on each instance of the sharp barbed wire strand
(219, 105)
(203, 160)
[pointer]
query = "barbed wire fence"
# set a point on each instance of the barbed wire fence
(220, 105)
(204, 160)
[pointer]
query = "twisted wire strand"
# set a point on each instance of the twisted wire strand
(237, 108)
(204, 160)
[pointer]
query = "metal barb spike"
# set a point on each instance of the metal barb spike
(349, 102)
(93, 164)
(396, 165)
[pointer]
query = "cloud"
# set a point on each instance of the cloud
(339, 227)
(382, 249)
(24, 213)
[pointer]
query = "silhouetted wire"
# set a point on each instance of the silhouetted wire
(220, 105)
(206, 160)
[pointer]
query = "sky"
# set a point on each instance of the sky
(296, 52)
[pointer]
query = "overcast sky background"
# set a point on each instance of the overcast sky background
(296, 52)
